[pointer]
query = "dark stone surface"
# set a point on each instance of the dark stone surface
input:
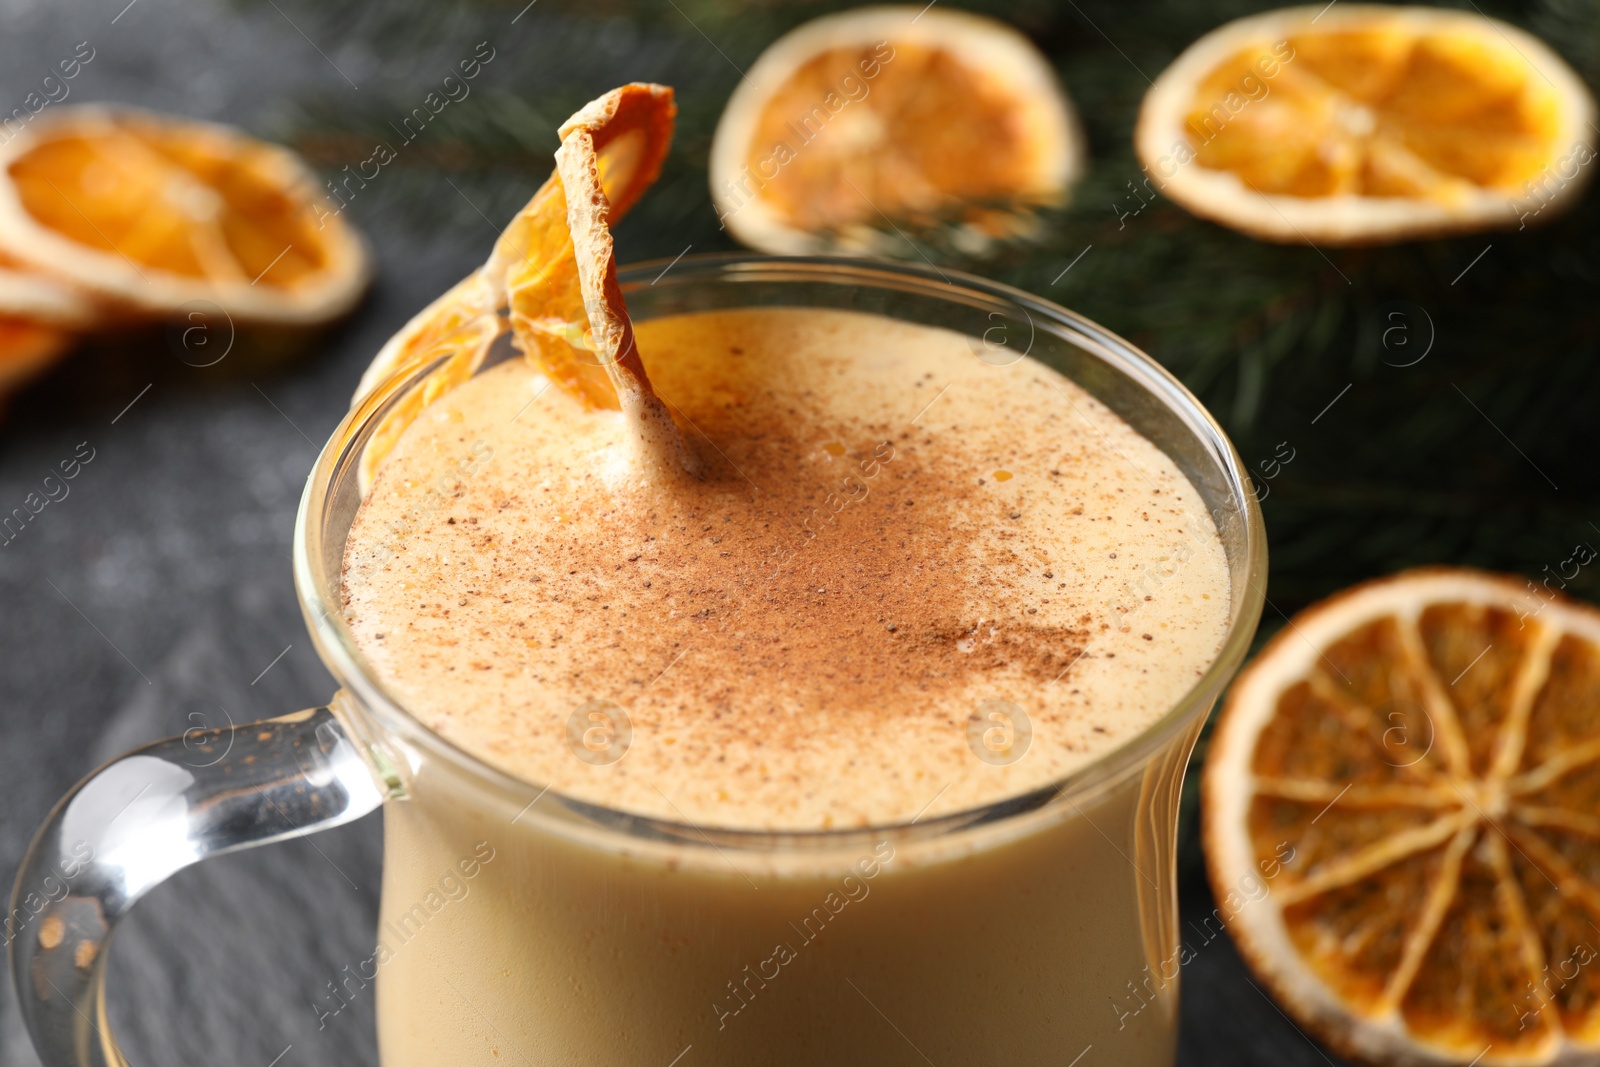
(155, 596)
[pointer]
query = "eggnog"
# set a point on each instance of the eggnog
(905, 580)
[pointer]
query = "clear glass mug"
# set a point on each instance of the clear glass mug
(519, 925)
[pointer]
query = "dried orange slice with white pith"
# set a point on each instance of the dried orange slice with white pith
(1357, 124)
(144, 214)
(551, 279)
(860, 124)
(1402, 821)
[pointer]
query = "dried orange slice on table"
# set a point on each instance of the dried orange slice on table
(859, 129)
(145, 214)
(1402, 820)
(551, 278)
(1352, 124)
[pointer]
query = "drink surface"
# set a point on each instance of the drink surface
(907, 581)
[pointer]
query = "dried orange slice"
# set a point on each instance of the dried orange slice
(1353, 124)
(1402, 820)
(555, 270)
(147, 213)
(560, 250)
(860, 123)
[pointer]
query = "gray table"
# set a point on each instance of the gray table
(157, 595)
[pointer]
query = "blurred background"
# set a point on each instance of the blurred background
(1429, 402)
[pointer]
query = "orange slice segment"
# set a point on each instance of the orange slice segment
(149, 213)
(554, 268)
(1402, 820)
(1364, 123)
(467, 311)
(857, 124)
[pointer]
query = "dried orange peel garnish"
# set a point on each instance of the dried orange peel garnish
(551, 279)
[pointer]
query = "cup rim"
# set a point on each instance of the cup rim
(320, 601)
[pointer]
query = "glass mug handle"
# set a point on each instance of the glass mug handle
(140, 819)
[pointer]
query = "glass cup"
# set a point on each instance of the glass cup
(520, 925)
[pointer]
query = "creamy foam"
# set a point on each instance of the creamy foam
(889, 534)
